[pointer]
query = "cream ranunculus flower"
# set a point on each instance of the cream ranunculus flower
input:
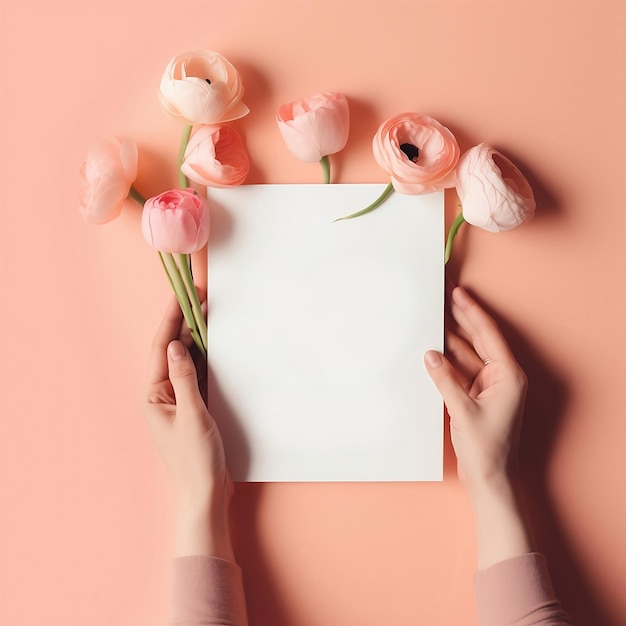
(202, 87)
(495, 195)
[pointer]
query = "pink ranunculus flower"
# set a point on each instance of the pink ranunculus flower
(106, 175)
(216, 157)
(315, 127)
(417, 152)
(176, 221)
(494, 193)
(202, 87)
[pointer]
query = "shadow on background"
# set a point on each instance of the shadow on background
(264, 599)
(549, 205)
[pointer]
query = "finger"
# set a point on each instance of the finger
(451, 323)
(185, 335)
(452, 326)
(169, 329)
(463, 358)
(446, 379)
(183, 375)
(484, 332)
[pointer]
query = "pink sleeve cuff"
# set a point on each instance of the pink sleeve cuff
(207, 590)
(517, 592)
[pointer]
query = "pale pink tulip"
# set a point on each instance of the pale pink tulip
(216, 157)
(315, 127)
(106, 175)
(494, 193)
(202, 87)
(417, 152)
(176, 221)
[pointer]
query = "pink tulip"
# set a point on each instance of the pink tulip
(202, 87)
(176, 221)
(417, 152)
(315, 127)
(216, 157)
(106, 175)
(494, 193)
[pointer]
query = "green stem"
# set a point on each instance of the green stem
(183, 299)
(383, 196)
(325, 163)
(167, 272)
(454, 229)
(196, 307)
(184, 140)
(133, 194)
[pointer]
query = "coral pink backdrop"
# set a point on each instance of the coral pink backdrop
(86, 517)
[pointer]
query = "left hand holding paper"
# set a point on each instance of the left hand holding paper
(188, 440)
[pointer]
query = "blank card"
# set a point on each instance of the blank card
(317, 331)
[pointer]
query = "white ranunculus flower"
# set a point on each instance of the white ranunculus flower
(202, 87)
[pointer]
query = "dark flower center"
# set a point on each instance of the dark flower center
(412, 152)
(207, 80)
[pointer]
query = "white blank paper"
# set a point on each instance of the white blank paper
(317, 332)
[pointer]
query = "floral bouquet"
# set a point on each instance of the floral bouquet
(203, 91)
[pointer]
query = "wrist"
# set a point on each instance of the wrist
(202, 528)
(498, 486)
(501, 530)
(206, 497)
(501, 482)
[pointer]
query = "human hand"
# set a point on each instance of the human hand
(188, 441)
(484, 390)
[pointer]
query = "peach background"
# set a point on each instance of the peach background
(85, 512)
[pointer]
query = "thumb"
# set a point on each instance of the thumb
(182, 374)
(444, 376)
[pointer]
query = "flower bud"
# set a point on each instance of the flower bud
(176, 221)
(315, 127)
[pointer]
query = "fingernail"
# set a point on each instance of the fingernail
(433, 359)
(176, 350)
(459, 294)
